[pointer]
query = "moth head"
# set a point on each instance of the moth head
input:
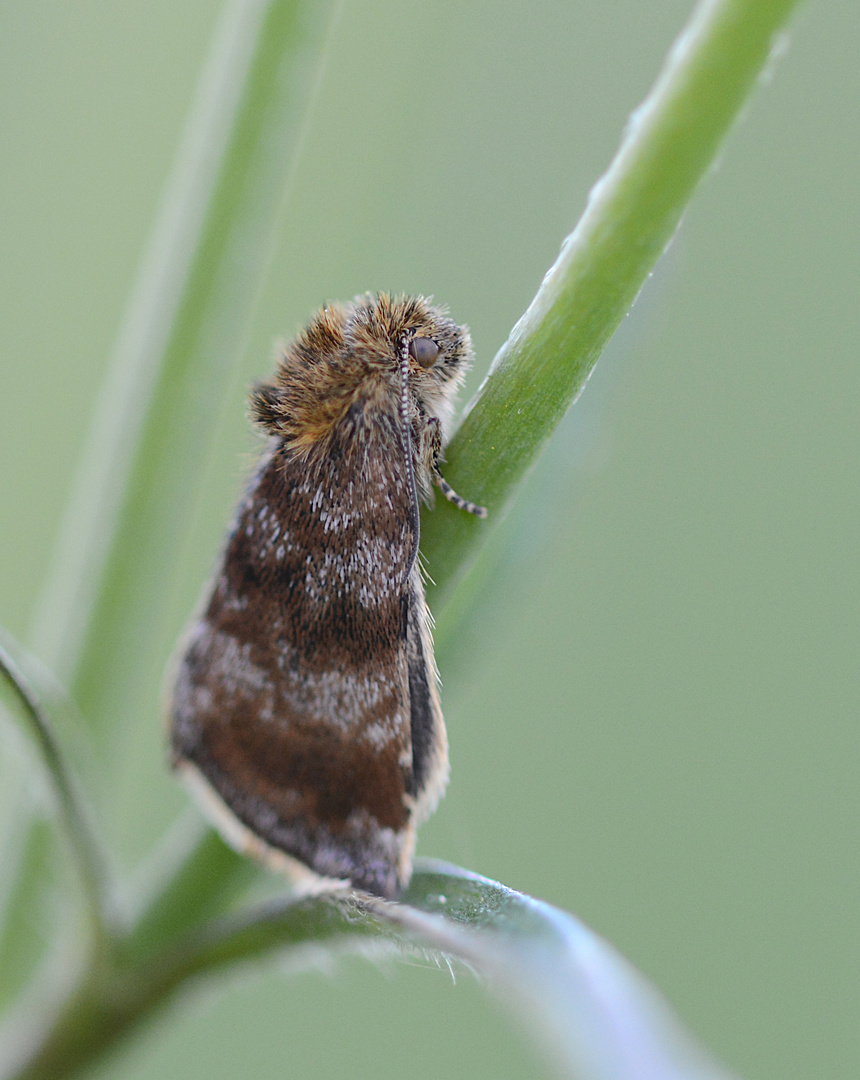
(403, 346)
(418, 340)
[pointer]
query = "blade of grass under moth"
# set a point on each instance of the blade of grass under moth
(171, 371)
(671, 141)
(588, 1009)
(594, 1016)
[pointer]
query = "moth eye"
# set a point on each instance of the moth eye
(424, 350)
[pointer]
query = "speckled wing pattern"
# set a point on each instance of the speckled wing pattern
(306, 698)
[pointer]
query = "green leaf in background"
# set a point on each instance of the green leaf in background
(28, 902)
(62, 789)
(175, 362)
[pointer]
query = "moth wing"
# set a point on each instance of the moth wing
(427, 727)
(306, 699)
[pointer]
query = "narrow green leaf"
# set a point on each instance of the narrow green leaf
(28, 858)
(588, 1008)
(174, 364)
(70, 814)
(191, 877)
(592, 1013)
(671, 141)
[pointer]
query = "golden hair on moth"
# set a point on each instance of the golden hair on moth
(305, 706)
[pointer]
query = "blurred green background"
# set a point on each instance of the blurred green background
(652, 710)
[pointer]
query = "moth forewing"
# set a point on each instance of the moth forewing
(427, 728)
(306, 702)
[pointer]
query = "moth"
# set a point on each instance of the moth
(305, 708)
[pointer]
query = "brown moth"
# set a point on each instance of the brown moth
(305, 708)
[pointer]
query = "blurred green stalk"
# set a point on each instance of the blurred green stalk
(671, 141)
(175, 362)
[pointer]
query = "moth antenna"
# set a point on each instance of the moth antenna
(415, 511)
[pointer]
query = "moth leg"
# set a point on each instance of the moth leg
(434, 446)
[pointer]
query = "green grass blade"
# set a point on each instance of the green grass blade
(174, 363)
(70, 814)
(671, 141)
(190, 878)
(592, 1014)
(587, 1008)
(27, 908)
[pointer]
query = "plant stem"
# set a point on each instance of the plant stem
(117, 994)
(174, 364)
(109, 588)
(70, 813)
(671, 141)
